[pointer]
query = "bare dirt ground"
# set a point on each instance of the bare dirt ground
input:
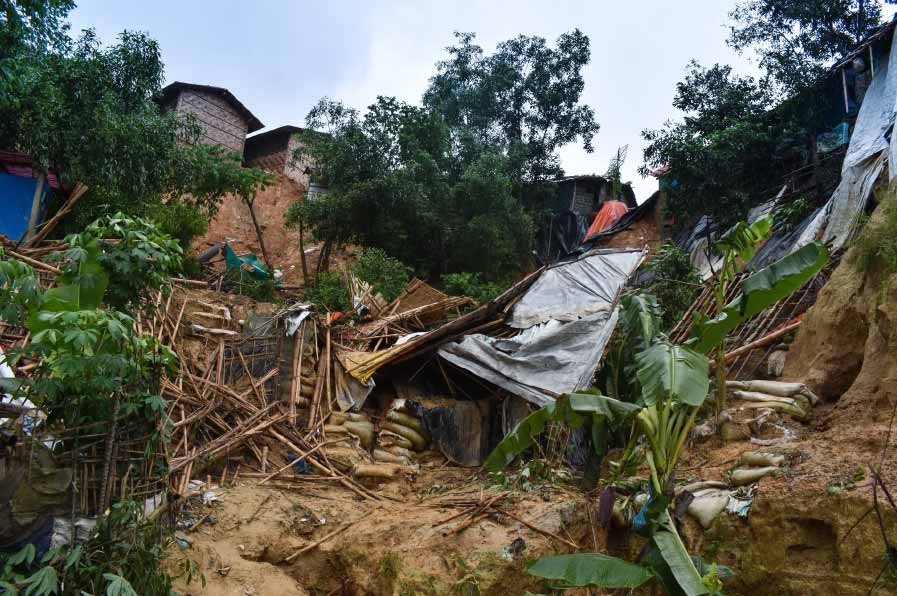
(395, 546)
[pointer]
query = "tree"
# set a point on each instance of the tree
(391, 185)
(721, 153)
(523, 100)
(797, 39)
(446, 187)
(31, 25)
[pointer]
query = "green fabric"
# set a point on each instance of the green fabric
(248, 263)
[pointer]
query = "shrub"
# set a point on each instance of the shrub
(328, 293)
(182, 220)
(675, 285)
(472, 286)
(388, 275)
(135, 254)
(789, 216)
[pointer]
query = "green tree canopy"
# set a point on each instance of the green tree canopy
(523, 99)
(441, 186)
(796, 40)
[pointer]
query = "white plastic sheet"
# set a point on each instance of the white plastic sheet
(575, 289)
(567, 317)
(867, 153)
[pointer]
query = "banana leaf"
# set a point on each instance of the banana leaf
(590, 570)
(760, 291)
(574, 409)
(744, 238)
(640, 318)
(671, 372)
(680, 564)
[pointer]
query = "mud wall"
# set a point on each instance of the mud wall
(845, 349)
(233, 223)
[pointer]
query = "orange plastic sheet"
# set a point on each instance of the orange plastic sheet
(610, 212)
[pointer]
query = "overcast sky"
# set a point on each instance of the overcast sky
(280, 56)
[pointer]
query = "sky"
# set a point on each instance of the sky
(280, 57)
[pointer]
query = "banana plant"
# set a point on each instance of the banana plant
(737, 247)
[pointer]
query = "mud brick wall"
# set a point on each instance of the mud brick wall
(221, 123)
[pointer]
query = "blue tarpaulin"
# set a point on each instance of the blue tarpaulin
(16, 195)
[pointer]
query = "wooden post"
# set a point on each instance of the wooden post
(35, 205)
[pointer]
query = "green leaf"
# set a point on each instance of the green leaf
(640, 316)
(73, 557)
(571, 409)
(590, 570)
(760, 291)
(24, 555)
(613, 410)
(118, 586)
(42, 583)
(743, 239)
(670, 372)
(681, 566)
(8, 589)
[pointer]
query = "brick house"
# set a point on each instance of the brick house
(273, 150)
(224, 119)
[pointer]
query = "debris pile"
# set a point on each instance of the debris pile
(759, 410)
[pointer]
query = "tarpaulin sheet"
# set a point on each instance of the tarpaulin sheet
(568, 315)
(610, 212)
(781, 245)
(578, 288)
(541, 363)
(251, 262)
(562, 237)
(16, 196)
(866, 154)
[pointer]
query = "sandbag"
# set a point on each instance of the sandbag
(337, 429)
(742, 476)
(759, 458)
(694, 487)
(363, 430)
(338, 417)
(398, 450)
(387, 457)
(707, 505)
(416, 439)
(388, 439)
(409, 421)
(778, 406)
(382, 470)
(799, 400)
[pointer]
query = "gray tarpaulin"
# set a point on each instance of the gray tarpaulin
(867, 153)
(574, 289)
(572, 309)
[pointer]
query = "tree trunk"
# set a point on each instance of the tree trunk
(258, 233)
(323, 258)
(302, 251)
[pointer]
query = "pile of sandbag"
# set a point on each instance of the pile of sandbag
(754, 465)
(355, 426)
(754, 403)
(401, 435)
(710, 498)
